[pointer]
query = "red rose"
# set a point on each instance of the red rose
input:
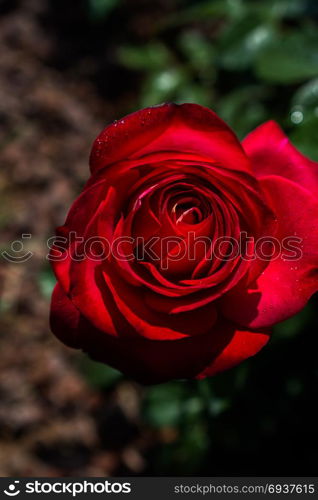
(185, 247)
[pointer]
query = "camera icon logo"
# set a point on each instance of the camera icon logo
(12, 489)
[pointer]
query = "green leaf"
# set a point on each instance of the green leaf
(163, 404)
(151, 57)
(304, 136)
(207, 10)
(290, 59)
(307, 95)
(163, 86)
(194, 93)
(280, 9)
(294, 325)
(193, 447)
(47, 281)
(97, 374)
(99, 9)
(243, 109)
(198, 51)
(242, 41)
(304, 118)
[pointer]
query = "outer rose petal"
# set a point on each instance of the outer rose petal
(79, 216)
(271, 152)
(92, 297)
(153, 324)
(124, 137)
(185, 128)
(285, 286)
(243, 345)
(151, 361)
(64, 317)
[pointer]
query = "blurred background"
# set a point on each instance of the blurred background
(67, 69)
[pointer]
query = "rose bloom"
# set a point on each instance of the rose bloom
(177, 174)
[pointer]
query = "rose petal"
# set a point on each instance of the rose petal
(189, 128)
(155, 324)
(64, 318)
(124, 137)
(271, 152)
(243, 345)
(150, 361)
(284, 286)
(198, 130)
(79, 216)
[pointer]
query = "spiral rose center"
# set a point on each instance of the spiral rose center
(187, 208)
(187, 212)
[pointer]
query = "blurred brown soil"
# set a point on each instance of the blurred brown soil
(51, 421)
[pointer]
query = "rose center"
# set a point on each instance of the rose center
(188, 214)
(189, 210)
